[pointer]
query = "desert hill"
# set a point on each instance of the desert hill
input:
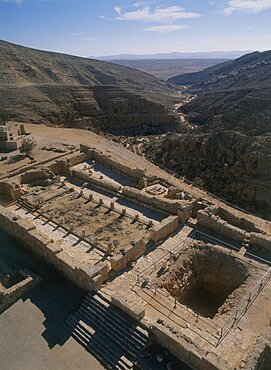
(249, 71)
(232, 95)
(40, 86)
(227, 148)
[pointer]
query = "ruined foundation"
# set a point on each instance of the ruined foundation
(128, 233)
(204, 279)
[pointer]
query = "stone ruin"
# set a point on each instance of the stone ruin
(179, 264)
(204, 279)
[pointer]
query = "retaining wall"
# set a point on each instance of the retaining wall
(207, 219)
(261, 240)
(108, 161)
(130, 253)
(52, 251)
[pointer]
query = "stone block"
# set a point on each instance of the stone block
(134, 308)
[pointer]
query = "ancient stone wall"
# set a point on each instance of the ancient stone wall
(13, 293)
(165, 228)
(104, 183)
(39, 177)
(133, 307)
(183, 348)
(207, 219)
(261, 240)
(181, 208)
(52, 251)
(10, 189)
(131, 253)
(62, 166)
(234, 220)
(108, 161)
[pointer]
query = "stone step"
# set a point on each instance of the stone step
(101, 348)
(123, 340)
(139, 338)
(100, 327)
(113, 349)
(120, 316)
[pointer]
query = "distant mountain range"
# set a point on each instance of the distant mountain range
(176, 55)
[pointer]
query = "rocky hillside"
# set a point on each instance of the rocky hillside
(249, 71)
(232, 165)
(227, 148)
(232, 95)
(53, 88)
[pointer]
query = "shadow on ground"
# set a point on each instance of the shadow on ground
(55, 296)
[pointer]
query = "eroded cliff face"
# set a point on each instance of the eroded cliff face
(110, 110)
(235, 166)
(103, 109)
(53, 88)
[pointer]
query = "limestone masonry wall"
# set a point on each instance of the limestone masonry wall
(52, 251)
(10, 189)
(61, 166)
(131, 253)
(109, 185)
(107, 160)
(13, 293)
(134, 308)
(234, 220)
(165, 228)
(207, 219)
(180, 208)
(183, 348)
(261, 240)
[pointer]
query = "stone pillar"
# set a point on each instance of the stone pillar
(136, 218)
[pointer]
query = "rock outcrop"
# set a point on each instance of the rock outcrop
(235, 166)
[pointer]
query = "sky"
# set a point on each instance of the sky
(105, 27)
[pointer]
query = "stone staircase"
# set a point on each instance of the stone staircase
(113, 337)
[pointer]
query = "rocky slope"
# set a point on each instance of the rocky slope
(232, 95)
(53, 88)
(232, 165)
(227, 148)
